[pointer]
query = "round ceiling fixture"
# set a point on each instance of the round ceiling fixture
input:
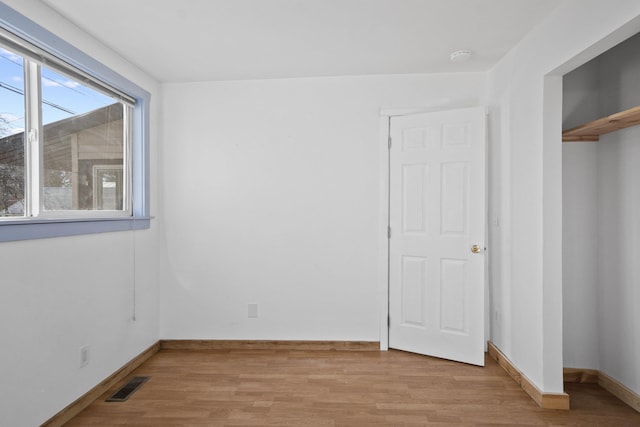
(460, 55)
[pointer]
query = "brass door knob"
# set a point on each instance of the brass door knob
(475, 249)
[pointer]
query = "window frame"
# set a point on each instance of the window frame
(26, 228)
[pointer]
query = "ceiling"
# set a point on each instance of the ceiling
(201, 40)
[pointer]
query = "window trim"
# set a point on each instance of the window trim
(28, 228)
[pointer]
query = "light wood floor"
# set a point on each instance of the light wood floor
(329, 388)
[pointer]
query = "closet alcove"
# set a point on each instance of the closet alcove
(601, 222)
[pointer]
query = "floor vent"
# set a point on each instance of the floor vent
(127, 390)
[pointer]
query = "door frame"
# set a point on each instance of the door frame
(384, 129)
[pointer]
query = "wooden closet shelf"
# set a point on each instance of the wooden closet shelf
(591, 131)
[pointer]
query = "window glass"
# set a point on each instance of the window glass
(12, 123)
(84, 146)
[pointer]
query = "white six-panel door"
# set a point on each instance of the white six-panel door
(436, 216)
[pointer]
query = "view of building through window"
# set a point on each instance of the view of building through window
(12, 173)
(81, 161)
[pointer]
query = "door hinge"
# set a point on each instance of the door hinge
(388, 321)
(388, 232)
(390, 142)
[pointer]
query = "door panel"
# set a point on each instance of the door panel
(414, 198)
(454, 197)
(414, 274)
(453, 290)
(437, 213)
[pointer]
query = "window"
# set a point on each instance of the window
(55, 132)
(73, 139)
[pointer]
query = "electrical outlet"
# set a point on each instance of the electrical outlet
(84, 356)
(253, 311)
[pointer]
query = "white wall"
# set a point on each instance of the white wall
(59, 294)
(525, 98)
(602, 206)
(580, 253)
(271, 193)
(619, 275)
